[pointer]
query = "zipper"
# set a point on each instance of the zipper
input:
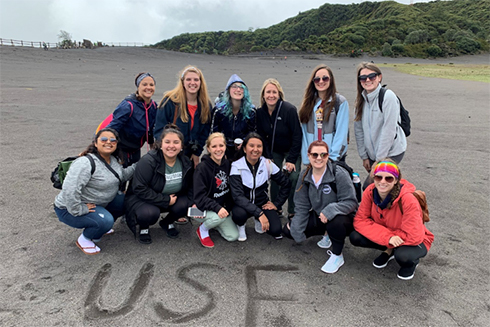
(252, 191)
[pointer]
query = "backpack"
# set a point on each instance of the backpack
(59, 172)
(109, 118)
(357, 185)
(405, 118)
(422, 199)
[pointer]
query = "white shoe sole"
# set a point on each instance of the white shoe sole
(332, 272)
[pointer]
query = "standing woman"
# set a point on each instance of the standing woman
(278, 124)
(390, 219)
(134, 118)
(378, 134)
(212, 192)
(325, 204)
(90, 199)
(188, 106)
(249, 178)
(324, 115)
(234, 114)
(162, 182)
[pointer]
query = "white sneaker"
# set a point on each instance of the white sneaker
(333, 263)
(258, 227)
(325, 242)
(242, 236)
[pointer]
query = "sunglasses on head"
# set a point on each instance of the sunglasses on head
(388, 179)
(316, 80)
(106, 139)
(371, 76)
(322, 155)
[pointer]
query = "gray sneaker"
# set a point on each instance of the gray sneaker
(258, 227)
(325, 242)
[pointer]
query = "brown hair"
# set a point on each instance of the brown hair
(395, 191)
(359, 104)
(311, 95)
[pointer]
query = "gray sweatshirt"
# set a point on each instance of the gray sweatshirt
(80, 187)
(322, 199)
(378, 134)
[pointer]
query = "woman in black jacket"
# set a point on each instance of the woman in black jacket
(162, 182)
(249, 178)
(278, 123)
(212, 192)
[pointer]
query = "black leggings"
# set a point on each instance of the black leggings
(338, 228)
(148, 214)
(240, 217)
(405, 255)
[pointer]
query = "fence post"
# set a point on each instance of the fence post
(12, 41)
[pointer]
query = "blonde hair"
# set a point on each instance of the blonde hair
(213, 136)
(177, 95)
(274, 82)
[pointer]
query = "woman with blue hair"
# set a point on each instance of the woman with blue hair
(234, 114)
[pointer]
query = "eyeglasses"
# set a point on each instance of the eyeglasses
(236, 86)
(316, 80)
(388, 179)
(106, 139)
(371, 76)
(322, 155)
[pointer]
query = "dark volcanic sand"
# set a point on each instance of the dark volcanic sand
(51, 103)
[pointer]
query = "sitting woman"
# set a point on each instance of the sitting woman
(249, 178)
(234, 115)
(325, 200)
(90, 198)
(212, 192)
(390, 219)
(162, 182)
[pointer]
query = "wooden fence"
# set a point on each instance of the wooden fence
(37, 44)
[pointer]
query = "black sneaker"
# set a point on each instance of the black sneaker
(172, 232)
(382, 260)
(145, 237)
(406, 273)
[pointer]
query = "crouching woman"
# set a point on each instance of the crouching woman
(212, 192)
(325, 201)
(390, 219)
(90, 199)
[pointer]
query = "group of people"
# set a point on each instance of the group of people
(249, 151)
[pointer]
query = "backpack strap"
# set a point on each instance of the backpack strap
(108, 167)
(131, 105)
(381, 97)
(92, 164)
(175, 114)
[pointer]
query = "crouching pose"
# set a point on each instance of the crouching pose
(212, 192)
(90, 198)
(382, 223)
(249, 183)
(325, 200)
(162, 182)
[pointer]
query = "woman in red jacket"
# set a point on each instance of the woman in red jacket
(380, 224)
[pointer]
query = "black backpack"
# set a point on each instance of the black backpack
(405, 118)
(59, 172)
(357, 186)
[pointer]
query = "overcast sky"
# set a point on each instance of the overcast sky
(146, 21)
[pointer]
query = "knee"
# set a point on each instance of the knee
(355, 238)
(231, 236)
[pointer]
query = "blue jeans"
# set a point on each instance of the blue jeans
(96, 223)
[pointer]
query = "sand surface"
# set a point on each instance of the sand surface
(51, 103)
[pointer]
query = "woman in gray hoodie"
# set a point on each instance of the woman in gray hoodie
(90, 198)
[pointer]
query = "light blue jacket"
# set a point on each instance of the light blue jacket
(378, 134)
(335, 131)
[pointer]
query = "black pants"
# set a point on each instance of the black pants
(240, 217)
(405, 255)
(148, 214)
(338, 229)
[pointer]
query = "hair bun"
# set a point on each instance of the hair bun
(171, 126)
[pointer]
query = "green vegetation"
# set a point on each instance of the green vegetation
(422, 30)
(479, 73)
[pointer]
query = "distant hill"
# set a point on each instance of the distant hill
(434, 29)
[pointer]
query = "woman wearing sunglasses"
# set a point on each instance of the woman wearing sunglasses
(390, 219)
(325, 201)
(234, 114)
(134, 118)
(324, 115)
(378, 134)
(90, 199)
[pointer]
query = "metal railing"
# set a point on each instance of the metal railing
(75, 45)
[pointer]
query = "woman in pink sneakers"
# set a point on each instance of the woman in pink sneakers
(212, 192)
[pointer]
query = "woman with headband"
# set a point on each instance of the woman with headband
(134, 119)
(189, 107)
(390, 219)
(378, 134)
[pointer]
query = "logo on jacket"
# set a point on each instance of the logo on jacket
(221, 180)
(327, 189)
